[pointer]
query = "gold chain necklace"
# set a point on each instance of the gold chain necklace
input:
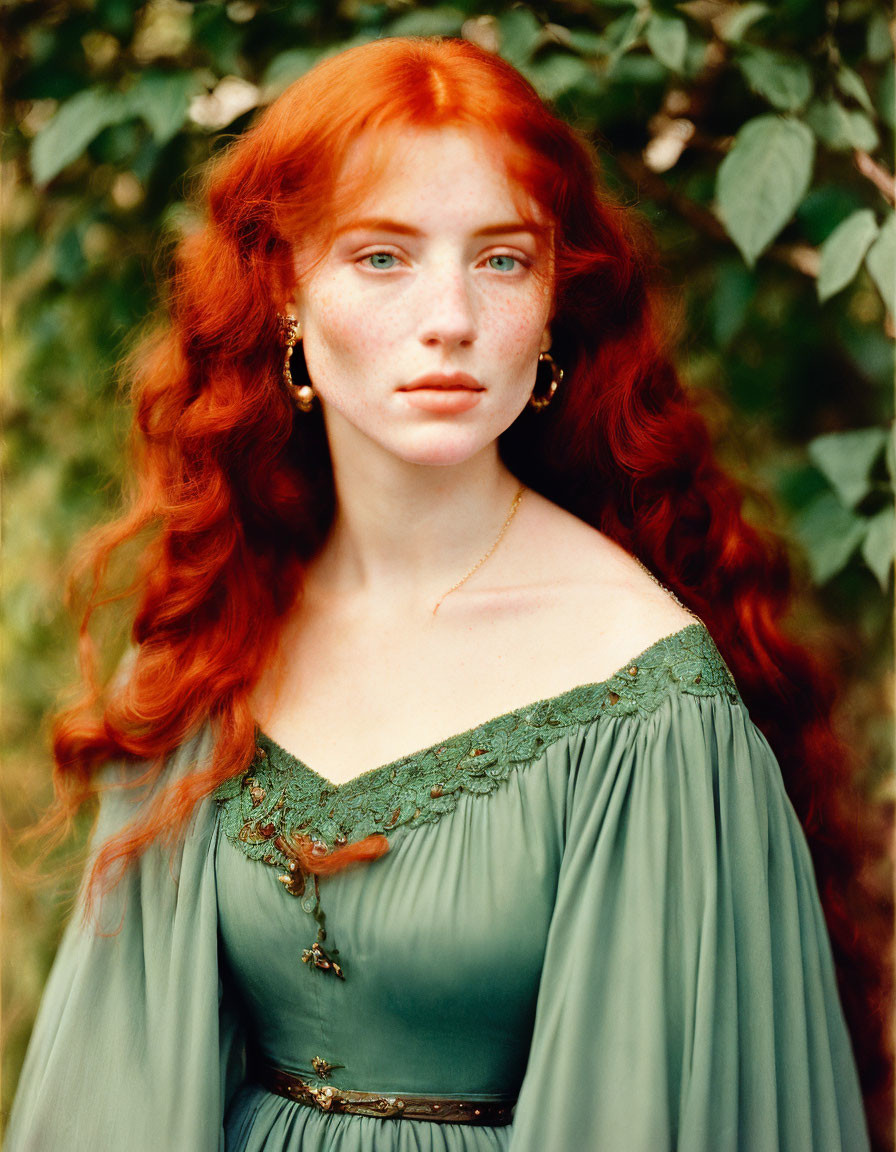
(516, 502)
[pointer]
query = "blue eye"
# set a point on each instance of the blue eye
(505, 267)
(375, 259)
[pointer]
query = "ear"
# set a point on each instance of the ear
(546, 339)
(289, 304)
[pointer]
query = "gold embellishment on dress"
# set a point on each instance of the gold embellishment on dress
(633, 671)
(319, 958)
(254, 833)
(614, 697)
(323, 1067)
(323, 1097)
(697, 678)
(293, 882)
(435, 791)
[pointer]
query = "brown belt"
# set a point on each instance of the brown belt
(403, 1107)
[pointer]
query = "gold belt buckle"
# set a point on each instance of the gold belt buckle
(325, 1098)
(322, 1097)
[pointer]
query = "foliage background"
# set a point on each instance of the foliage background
(757, 139)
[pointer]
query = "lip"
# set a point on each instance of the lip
(447, 382)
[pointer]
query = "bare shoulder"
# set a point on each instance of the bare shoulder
(585, 588)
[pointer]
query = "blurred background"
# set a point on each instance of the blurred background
(756, 138)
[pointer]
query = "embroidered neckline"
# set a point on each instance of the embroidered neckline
(280, 795)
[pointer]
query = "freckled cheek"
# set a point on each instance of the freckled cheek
(514, 324)
(348, 322)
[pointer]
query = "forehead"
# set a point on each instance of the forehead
(461, 174)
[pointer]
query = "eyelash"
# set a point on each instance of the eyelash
(519, 260)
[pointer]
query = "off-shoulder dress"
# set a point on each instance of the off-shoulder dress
(598, 908)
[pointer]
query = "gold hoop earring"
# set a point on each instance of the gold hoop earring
(541, 402)
(292, 333)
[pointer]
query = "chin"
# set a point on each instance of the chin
(447, 444)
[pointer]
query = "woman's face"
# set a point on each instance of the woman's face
(434, 273)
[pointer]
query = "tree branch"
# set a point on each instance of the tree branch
(802, 257)
(877, 174)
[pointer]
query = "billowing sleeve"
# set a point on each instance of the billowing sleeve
(135, 1045)
(688, 998)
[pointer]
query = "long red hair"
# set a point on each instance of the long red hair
(232, 493)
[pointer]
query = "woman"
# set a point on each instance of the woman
(407, 427)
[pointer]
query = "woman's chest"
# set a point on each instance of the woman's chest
(440, 944)
(349, 698)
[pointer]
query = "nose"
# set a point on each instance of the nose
(447, 307)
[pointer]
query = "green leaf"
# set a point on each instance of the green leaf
(762, 180)
(733, 293)
(520, 33)
(622, 34)
(830, 534)
(886, 95)
(696, 56)
(881, 263)
(741, 19)
(667, 39)
(878, 43)
(846, 459)
(587, 43)
(862, 132)
(428, 22)
(75, 125)
(288, 66)
(843, 252)
(213, 30)
(890, 454)
(879, 545)
(162, 99)
(851, 84)
(785, 81)
(558, 73)
(637, 71)
(840, 129)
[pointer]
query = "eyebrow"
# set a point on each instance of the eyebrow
(378, 224)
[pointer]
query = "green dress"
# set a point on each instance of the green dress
(601, 903)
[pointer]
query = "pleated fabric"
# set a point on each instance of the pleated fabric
(135, 1046)
(626, 934)
(689, 999)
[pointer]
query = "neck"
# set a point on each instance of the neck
(404, 533)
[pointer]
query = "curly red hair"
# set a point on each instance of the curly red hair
(235, 493)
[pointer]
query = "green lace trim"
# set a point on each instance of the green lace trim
(280, 796)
